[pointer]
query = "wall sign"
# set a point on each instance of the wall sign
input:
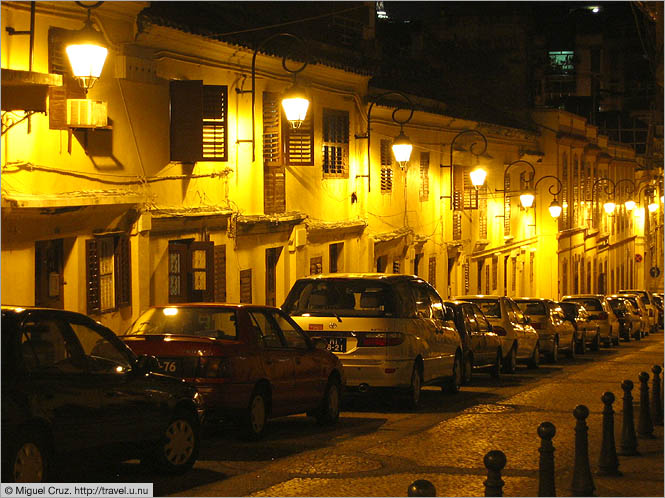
(638, 258)
(654, 272)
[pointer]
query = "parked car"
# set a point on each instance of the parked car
(481, 346)
(70, 386)
(587, 331)
(249, 362)
(388, 330)
(629, 318)
(519, 340)
(640, 310)
(648, 302)
(554, 331)
(601, 315)
(658, 301)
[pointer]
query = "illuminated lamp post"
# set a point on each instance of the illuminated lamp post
(86, 51)
(478, 175)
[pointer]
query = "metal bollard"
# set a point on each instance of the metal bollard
(628, 445)
(656, 403)
(608, 463)
(644, 424)
(582, 479)
(546, 431)
(421, 487)
(494, 461)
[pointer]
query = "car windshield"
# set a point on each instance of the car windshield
(532, 308)
(617, 304)
(342, 297)
(590, 304)
(490, 307)
(642, 295)
(187, 321)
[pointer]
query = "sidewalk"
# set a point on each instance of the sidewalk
(450, 454)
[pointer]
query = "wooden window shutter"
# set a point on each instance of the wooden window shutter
(274, 189)
(513, 274)
(92, 277)
(487, 279)
(272, 124)
(506, 205)
(70, 89)
(495, 272)
(246, 286)
(470, 192)
(299, 142)
(424, 176)
(386, 167)
(214, 126)
(123, 275)
(457, 225)
(466, 277)
(220, 273)
(432, 271)
(482, 213)
(335, 143)
(458, 188)
(186, 121)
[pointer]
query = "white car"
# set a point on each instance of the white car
(519, 339)
(554, 331)
(388, 330)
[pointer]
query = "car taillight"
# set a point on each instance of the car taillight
(498, 330)
(602, 315)
(213, 367)
(380, 339)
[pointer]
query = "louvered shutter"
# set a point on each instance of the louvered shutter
(299, 142)
(92, 276)
(386, 167)
(246, 286)
(186, 121)
(424, 176)
(214, 124)
(470, 192)
(506, 205)
(274, 189)
(70, 89)
(272, 146)
(123, 274)
(432, 271)
(457, 225)
(220, 273)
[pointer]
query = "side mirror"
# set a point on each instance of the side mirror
(146, 364)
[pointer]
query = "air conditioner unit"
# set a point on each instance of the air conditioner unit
(86, 113)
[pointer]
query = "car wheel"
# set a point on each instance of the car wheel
(415, 387)
(468, 370)
(581, 345)
(495, 371)
(554, 354)
(178, 448)
(328, 413)
(573, 344)
(29, 460)
(510, 362)
(595, 346)
(454, 384)
(534, 359)
(257, 415)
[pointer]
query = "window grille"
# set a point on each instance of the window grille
(424, 176)
(432, 271)
(466, 277)
(457, 225)
(335, 143)
(108, 273)
(219, 256)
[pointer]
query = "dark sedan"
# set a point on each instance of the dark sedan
(481, 346)
(249, 362)
(70, 386)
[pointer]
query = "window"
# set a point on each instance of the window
(424, 176)
(266, 330)
(495, 272)
(563, 219)
(335, 144)
(272, 257)
(457, 225)
(316, 265)
(293, 337)
(70, 89)
(335, 253)
(191, 271)
(432, 271)
(506, 205)
(513, 276)
(274, 178)
(561, 62)
(386, 167)
(219, 259)
(482, 213)
(246, 286)
(198, 121)
(299, 142)
(108, 273)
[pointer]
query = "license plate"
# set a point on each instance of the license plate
(170, 366)
(337, 344)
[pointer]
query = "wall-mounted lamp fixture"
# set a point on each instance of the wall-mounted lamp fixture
(629, 190)
(295, 101)
(86, 51)
(528, 195)
(402, 146)
(609, 206)
(554, 207)
(478, 175)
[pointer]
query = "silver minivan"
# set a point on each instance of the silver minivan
(388, 330)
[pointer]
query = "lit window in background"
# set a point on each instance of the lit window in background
(381, 11)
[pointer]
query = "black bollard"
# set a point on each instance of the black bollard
(582, 479)
(421, 487)
(608, 463)
(656, 403)
(644, 424)
(494, 461)
(546, 431)
(628, 445)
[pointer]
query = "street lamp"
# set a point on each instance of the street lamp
(86, 51)
(294, 100)
(402, 146)
(555, 209)
(609, 206)
(528, 196)
(629, 203)
(478, 174)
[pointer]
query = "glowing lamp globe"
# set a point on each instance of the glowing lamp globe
(478, 176)
(555, 209)
(402, 148)
(295, 104)
(609, 207)
(526, 199)
(86, 53)
(630, 205)
(653, 206)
